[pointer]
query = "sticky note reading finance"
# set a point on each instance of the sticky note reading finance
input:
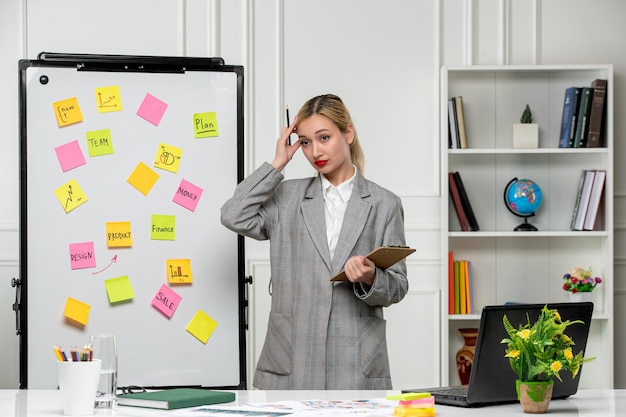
(201, 326)
(143, 178)
(168, 157)
(163, 227)
(166, 300)
(119, 235)
(205, 125)
(67, 112)
(99, 142)
(70, 156)
(70, 195)
(108, 99)
(119, 289)
(152, 109)
(179, 271)
(77, 311)
(188, 195)
(82, 255)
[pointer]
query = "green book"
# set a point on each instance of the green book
(175, 398)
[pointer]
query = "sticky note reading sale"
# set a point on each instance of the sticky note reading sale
(119, 235)
(201, 326)
(67, 112)
(166, 300)
(119, 289)
(82, 255)
(77, 311)
(188, 195)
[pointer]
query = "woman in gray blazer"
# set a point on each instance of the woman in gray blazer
(322, 334)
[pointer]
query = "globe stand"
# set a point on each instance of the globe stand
(526, 227)
(523, 227)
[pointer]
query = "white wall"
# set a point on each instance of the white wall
(382, 57)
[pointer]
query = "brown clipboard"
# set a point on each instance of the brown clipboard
(383, 257)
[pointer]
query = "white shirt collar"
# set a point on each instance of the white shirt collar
(344, 189)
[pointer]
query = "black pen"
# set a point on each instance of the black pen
(288, 123)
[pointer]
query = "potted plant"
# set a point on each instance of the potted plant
(526, 133)
(579, 283)
(538, 352)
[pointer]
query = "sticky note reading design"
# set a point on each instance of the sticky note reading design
(201, 326)
(77, 311)
(119, 289)
(82, 255)
(143, 178)
(99, 142)
(67, 112)
(168, 157)
(179, 271)
(70, 195)
(70, 156)
(152, 109)
(163, 227)
(205, 125)
(166, 300)
(188, 195)
(108, 99)
(119, 235)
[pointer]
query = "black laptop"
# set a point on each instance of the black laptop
(492, 381)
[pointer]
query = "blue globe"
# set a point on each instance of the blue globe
(523, 197)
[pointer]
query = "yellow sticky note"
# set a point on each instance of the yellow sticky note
(77, 311)
(168, 157)
(119, 289)
(119, 235)
(414, 412)
(67, 112)
(201, 326)
(108, 99)
(99, 142)
(179, 271)
(70, 195)
(143, 178)
(163, 227)
(205, 125)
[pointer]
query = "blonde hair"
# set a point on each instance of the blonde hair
(332, 107)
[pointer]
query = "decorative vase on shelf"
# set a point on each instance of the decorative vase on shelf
(579, 297)
(465, 355)
(534, 397)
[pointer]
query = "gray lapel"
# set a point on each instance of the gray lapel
(314, 218)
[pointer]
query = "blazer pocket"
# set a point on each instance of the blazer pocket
(373, 347)
(276, 356)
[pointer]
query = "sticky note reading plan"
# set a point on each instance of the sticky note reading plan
(201, 326)
(188, 195)
(205, 125)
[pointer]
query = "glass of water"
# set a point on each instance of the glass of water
(105, 348)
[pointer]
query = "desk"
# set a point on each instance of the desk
(589, 403)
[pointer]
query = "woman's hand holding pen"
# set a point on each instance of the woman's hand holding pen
(284, 149)
(360, 269)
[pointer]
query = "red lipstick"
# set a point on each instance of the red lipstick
(321, 162)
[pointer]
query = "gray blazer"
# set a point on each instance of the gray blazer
(321, 335)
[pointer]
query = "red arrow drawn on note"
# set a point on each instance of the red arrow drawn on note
(105, 268)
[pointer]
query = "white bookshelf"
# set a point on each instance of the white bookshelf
(511, 266)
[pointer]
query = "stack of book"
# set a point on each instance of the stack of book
(457, 138)
(588, 200)
(460, 286)
(461, 202)
(583, 111)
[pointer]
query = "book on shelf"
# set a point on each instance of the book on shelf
(461, 291)
(460, 121)
(596, 115)
(582, 125)
(583, 201)
(450, 282)
(456, 201)
(453, 130)
(581, 182)
(594, 199)
(457, 288)
(465, 202)
(568, 120)
(171, 399)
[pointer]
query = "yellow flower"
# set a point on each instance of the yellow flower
(568, 354)
(557, 315)
(556, 366)
(524, 334)
(513, 354)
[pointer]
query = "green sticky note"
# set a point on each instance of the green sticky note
(205, 125)
(408, 396)
(119, 289)
(163, 227)
(99, 142)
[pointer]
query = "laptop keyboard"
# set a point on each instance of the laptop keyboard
(459, 391)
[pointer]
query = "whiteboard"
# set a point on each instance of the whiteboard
(155, 348)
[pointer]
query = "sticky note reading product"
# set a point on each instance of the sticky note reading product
(70, 156)
(163, 227)
(99, 142)
(168, 157)
(108, 99)
(166, 300)
(205, 125)
(77, 311)
(67, 112)
(152, 109)
(143, 178)
(119, 289)
(179, 271)
(70, 195)
(188, 195)
(82, 255)
(119, 235)
(201, 326)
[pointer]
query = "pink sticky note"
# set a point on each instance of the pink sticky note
(166, 300)
(152, 109)
(82, 255)
(70, 156)
(188, 195)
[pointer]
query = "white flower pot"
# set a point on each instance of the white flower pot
(525, 135)
(579, 297)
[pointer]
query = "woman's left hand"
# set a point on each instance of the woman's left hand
(360, 269)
